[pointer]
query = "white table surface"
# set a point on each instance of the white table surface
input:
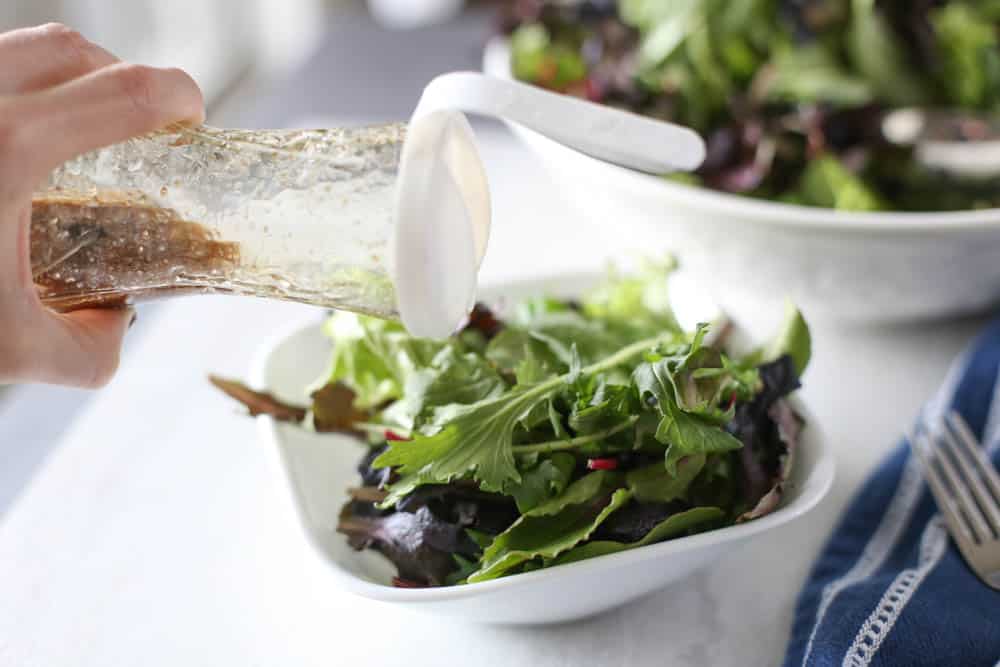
(157, 531)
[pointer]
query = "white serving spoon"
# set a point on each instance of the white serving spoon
(602, 132)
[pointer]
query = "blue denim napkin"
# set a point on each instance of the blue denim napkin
(890, 588)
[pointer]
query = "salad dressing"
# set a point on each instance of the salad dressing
(112, 249)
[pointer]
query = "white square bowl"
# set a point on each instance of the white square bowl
(320, 467)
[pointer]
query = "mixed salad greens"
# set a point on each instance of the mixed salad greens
(566, 430)
(789, 94)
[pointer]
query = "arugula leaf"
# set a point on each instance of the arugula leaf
(654, 484)
(609, 405)
(672, 526)
(793, 339)
(545, 535)
(695, 378)
(686, 434)
(451, 377)
(477, 439)
(547, 479)
(474, 438)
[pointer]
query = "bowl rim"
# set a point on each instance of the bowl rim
(496, 62)
(816, 483)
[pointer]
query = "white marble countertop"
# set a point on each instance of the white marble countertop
(158, 531)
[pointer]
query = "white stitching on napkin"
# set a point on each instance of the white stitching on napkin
(897, 514)
(882, 619)
(991, 432)
(877, 626)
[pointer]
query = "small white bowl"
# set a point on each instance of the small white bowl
(320, 467)
(836, 265)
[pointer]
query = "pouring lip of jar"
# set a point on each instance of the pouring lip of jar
(441, 224)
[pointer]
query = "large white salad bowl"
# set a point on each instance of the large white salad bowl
(854, 267)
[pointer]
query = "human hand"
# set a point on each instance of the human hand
(61, 96)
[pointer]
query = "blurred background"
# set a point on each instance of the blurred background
(234, 48)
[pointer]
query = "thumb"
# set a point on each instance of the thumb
(81, 348)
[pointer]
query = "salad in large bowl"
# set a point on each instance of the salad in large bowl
(792, 96)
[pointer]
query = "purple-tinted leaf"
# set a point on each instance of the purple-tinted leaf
(370, 476)
(418, 543)
(789, 427)
(632, 522)
(463, 504)
(754, 427)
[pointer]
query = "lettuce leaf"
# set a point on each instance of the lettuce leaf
(876, 52)
(555, 526)
(827, 182)
(672, 526)
(546, 479)
(969, 48)
(687, 434)
(654, 484)
(793, 339)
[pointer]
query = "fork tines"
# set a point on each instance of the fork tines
(963, 480)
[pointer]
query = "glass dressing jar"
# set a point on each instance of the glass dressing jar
(389, 220)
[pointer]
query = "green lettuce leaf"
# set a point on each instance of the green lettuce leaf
(654, 484)
(552, 528)
(543, 481)
(608, 405)
(686, 434)
(828, 183)
(672, 526)
(793, 339)
(695, 377)
(969, 46)
(451, 377)
(696, 427)
(876, 52)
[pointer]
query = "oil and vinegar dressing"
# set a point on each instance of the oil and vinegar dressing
(110, 249)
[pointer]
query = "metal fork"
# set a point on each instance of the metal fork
(967, 490)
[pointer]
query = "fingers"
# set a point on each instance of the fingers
(80, 349)
(38, 58)
(107, 106)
